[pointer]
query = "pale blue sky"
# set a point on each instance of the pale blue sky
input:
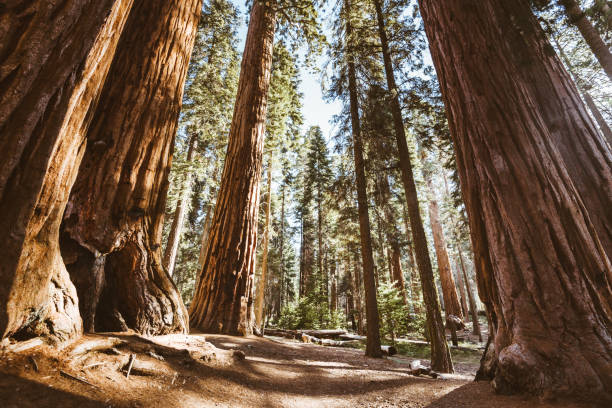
(316, 111)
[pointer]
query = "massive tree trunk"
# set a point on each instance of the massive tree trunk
(537, 183)
(111, 231)
(176, 229)
(449, 289)
(373, 329)
(223, 300)
(577, 17)
(440, 354)
(261, 287)
(54, 58)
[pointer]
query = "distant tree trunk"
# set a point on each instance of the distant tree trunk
(577, 17)
(605, 10)
(333, 304)
(205, 234)
(176, 229)
(415, 287)
(373, 329)
(223, 298)
(462, 294)
(449, 289)
(536, 179)
(54, 59)
(350, 296)
(281, 251)
(440, 354)
(601, 122)
(398, 274)
(261, 287)
(357, 294)
(390, 264)
(112, 227)
(473, 307)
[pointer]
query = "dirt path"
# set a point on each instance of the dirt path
(275, 373)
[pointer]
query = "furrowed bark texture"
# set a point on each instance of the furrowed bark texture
(176, 229)
(112, 225)
(54, 58)
(440, 354)
(223, 301)
(373, 328)
(536, 181)
(591, 36)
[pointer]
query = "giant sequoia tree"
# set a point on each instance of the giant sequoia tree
(223, 298)
(112, 227)
(54, 58)
(537, 183)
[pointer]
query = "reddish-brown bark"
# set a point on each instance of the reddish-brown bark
(537, 183)
(398, 274)
(223, 301)
(447, 281)
(111, 235)
(54, 58)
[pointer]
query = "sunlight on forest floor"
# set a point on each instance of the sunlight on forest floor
(186, 371)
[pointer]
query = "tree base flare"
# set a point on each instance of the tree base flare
(561, 373)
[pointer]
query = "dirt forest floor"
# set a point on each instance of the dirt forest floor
(185, 371)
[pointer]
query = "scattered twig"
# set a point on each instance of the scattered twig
(130, 364)
(34, 363)
(94, 365)
(73, 377)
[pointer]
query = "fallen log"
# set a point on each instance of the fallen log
(388, 350)
(339, 343)
(351, 336)
(288, 334)
(418, 369)
(324, 334)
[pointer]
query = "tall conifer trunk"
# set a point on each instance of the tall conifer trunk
(111, 233)
(373, 329)
(54, 59)
(577, 17)
(261, 287)
(176, 229)
(447, 281)
(537, 184)
(473, 308)
(223, 301)
(440, 354)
